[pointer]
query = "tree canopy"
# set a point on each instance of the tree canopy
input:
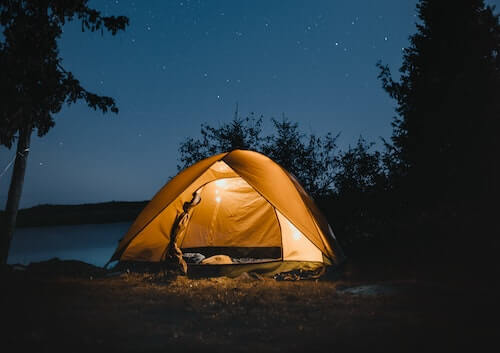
(34, 83)
(360, 170)
(239, 133)
(310, 158)
(445, 135)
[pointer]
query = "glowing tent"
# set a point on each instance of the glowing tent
(251, 210)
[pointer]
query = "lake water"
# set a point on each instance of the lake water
(91, 243)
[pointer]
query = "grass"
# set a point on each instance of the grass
(144, 312)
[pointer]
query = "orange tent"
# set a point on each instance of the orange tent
(250, 207)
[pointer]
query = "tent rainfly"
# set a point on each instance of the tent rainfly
(251, 210)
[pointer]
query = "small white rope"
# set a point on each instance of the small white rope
(12, 161)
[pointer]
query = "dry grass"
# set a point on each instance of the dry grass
(146, 313)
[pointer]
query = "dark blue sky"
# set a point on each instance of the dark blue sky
(181, 63)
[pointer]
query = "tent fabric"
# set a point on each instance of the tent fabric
(164, 197)
(296, 246)
(319, 219)
(151, 229)
(247, 201)
(233, 214)
(263, 174)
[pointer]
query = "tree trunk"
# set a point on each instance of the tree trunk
(15, 190)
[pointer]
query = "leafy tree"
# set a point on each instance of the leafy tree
(355, 207)
(350, 187)
(310, 158)
(445, 145)
(239, 133)
(444, 142)
(360, 171)
(34, 85)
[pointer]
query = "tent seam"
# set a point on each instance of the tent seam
(281, 230)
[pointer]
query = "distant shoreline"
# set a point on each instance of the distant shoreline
(97, 213)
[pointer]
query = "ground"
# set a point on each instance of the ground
(84, 310)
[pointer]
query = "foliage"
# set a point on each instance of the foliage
(360, 171)
(444, 141)
(34, 84)
(310, 158)
(356, 209)
(443, 158)
(239, 133)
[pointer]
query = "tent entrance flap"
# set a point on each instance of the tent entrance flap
(232, 214)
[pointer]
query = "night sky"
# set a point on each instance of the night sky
(182, 63)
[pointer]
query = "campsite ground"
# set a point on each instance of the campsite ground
(73, 307)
